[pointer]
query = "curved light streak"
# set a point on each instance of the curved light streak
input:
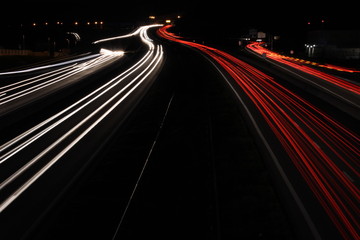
(40, 83)
(325, 152)
(18, 90)
(135, 76)
(350, 86)
(50, 65)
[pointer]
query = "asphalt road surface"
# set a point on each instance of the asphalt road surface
(49, 139)
(178, 140)
(203, 175)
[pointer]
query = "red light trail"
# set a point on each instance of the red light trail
(256, 47)
(325, 152)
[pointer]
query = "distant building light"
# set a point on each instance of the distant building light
(261, 35)
(152, 17)
(76, 23)
(34, 24)
(178, 16)
(168, 21)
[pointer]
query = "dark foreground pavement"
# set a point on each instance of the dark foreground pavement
(204, 179)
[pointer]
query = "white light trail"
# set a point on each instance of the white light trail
(136, 32)
(82, 124)
(79, 105)
(109, 52)
(28, 86)
(50, 65)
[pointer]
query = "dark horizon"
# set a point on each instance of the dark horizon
(268, 15)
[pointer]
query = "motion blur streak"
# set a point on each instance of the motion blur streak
(325, 152)
(68, 127)
(27, 86)
(256, 47)
(136, 32)
(50, 66)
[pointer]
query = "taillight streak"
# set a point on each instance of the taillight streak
(256, 47)
(324, 151)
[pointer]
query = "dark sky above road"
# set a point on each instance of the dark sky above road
(248, 13)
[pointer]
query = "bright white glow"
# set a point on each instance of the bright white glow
(109, 52)
(51, 65)
(136, 32)
(134, 77)
(17, 90)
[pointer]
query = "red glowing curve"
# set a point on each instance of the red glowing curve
(319, 147)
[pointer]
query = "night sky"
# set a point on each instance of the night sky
(210, 20)
(268, 14)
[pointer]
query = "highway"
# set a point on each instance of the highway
(47, 156)
(202, 132)
(17, 91)
(324, 152)
(341, 92)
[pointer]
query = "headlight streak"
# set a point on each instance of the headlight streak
(19, 89)
(82, 103)
(136, 32)
(50, 66)
(134, 76)
(325, 152)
